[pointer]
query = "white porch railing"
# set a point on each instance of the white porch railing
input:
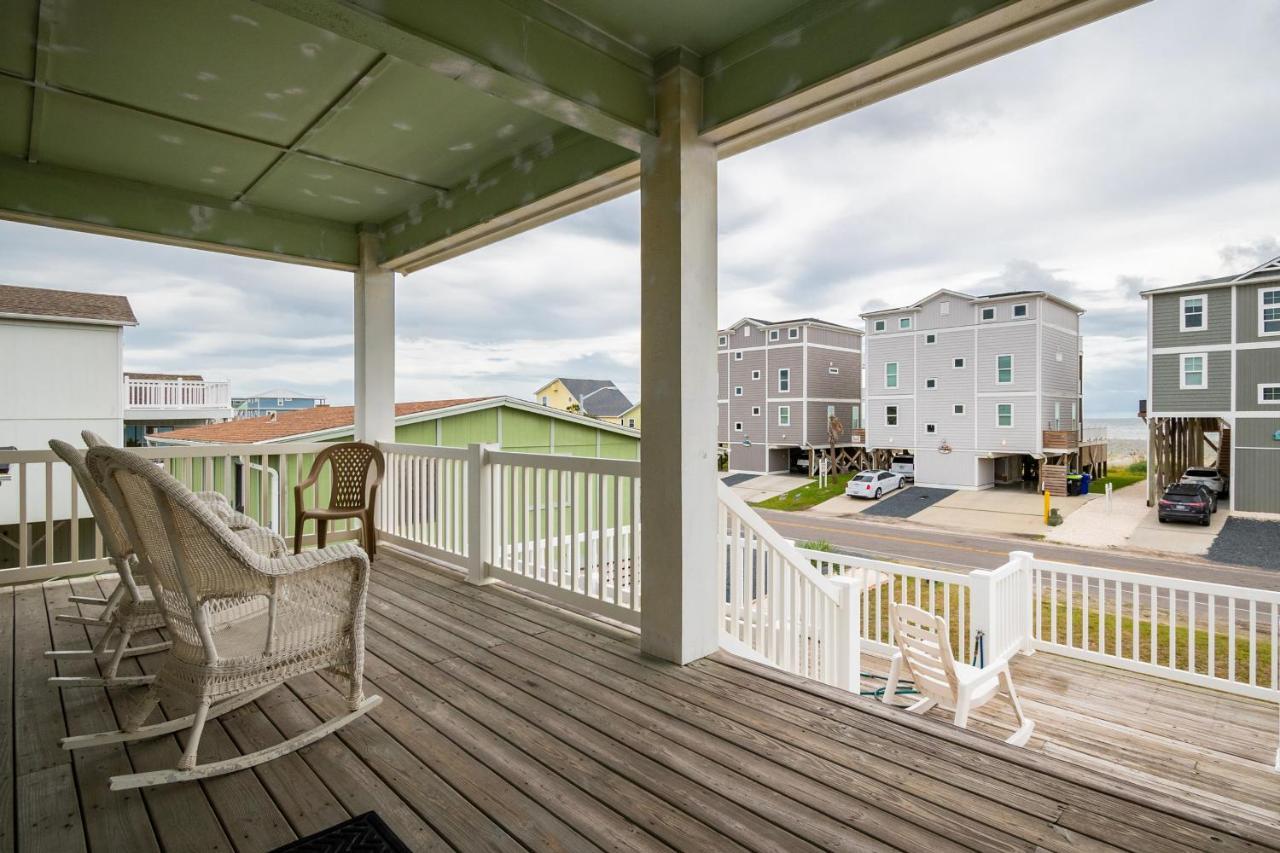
(777, 607)
(175, 394)
(46, 528)
(1093, 435)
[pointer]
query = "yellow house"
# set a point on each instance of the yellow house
(596, 398)
(630, 418)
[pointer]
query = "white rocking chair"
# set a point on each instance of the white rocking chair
(241, 623)
(924, 651)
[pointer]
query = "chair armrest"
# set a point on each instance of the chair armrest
(214, 499)
(296, 564)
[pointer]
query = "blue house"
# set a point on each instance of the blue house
(273, 402)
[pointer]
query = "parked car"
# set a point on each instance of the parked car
(1210, 477)
(1187, 502)
(904, 467)
(873, 484)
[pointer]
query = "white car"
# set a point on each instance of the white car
(904, 467)
(873, 484)
(1210, 478)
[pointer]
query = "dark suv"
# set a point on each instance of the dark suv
(1187, 502)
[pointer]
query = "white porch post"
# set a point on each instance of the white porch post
(375, 345)
(678, 377)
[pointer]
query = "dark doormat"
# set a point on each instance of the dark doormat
(735, 479)
(365, 833)
(1248, 542)
(907, 502)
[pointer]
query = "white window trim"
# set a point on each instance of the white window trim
(755, 375)
(959, 366)
(895, 374)
(901, 321)
(737, 356)
(982, 312)
(887, 410)
(928, 342)
(1204, 371)
(755, 411)
(773, 334)
(782, 370)
(1009, 356)
(834, 371)
(957, 409)
(1261, 387)
(1204, 312)
(787, 422)
(737, 426)
(737, 390)
(1026, 311)
(1262, 332)
(933, 387)
(724, 340)
(746, 331)
(944, 308)
(1011, 416)
(878, 325)
(793, 334)
(931, 429)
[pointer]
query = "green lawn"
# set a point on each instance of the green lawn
(1119, 478)
(808, 495)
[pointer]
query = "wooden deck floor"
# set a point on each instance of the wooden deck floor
(509, 725)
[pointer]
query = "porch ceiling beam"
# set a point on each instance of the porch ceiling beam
(40, 72)
(568, 172)
(82, 201)
(497, 49)
(837, 57)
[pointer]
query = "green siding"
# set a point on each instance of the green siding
(470, 428)
(525, 432)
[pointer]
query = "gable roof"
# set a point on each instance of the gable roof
(1263, 272)
(37, 302)
(295, 423)
(803, 321)
(598, 397)
(990, 297)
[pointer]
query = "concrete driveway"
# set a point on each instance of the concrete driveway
(1177, 537)
(766, 486)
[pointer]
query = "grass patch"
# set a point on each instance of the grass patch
(1119, 478)
(807, 496)
(816, 545)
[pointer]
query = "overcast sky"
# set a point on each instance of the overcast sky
(1138, 152)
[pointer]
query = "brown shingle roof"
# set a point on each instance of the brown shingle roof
(301, 422)
(185, 377)
(39, 302)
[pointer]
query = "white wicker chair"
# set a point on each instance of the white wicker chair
(241, 624)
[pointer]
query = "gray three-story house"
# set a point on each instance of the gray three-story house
(780, 383)
(982, 389)
(1213, 386)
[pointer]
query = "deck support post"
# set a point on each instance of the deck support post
(678, 376)
(375, 346)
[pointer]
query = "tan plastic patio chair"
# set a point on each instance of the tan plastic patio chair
(924, 655)
(357, 471)
(241, 624)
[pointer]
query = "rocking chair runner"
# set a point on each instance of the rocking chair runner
(924, 651)
(357, 471)
(241, 623)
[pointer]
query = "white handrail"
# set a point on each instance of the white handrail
(176, 394)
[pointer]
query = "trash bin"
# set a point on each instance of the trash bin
(1073, 485)
(1084, 483)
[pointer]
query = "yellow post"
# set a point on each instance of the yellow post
(1046, 506)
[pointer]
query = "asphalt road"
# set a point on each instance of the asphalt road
(894, 539)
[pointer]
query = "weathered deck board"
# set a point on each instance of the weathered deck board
(510, 725)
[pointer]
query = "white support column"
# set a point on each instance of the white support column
(375, 346)
(678, 378)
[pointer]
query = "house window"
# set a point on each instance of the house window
(1193, 310)
(944, 308)
(831, 412)
(1269, 311)
(879, 326)
(1193, 374)
(1057, 413)
(737, 356)
(1020, 310)
(784, 380)
(890, 415)
(904, 322)
(1073, 412)
(755, 411)
(1004, 415)
(724, 340)
(773, 334)
(957, 363)
(930, 428)
(755, 374)
(737, 390)
(834, 371)
(854, 418)
(988, 314)
(746, 331)
(931, 383)
(784, 416)
(891, 374)
(930, 339)
(631, 422)
(793, 334)
(958, 408)
(737, 426)
(1269, 394)
(1004, 369)
(544, 401)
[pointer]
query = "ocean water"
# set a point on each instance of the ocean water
(1131, 429)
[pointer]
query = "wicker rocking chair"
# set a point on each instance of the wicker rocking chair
(241, 623)
(357, 471)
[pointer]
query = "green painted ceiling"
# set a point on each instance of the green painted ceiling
(278, 127)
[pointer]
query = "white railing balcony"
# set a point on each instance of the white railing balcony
(175, 394)
(1093, 435)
